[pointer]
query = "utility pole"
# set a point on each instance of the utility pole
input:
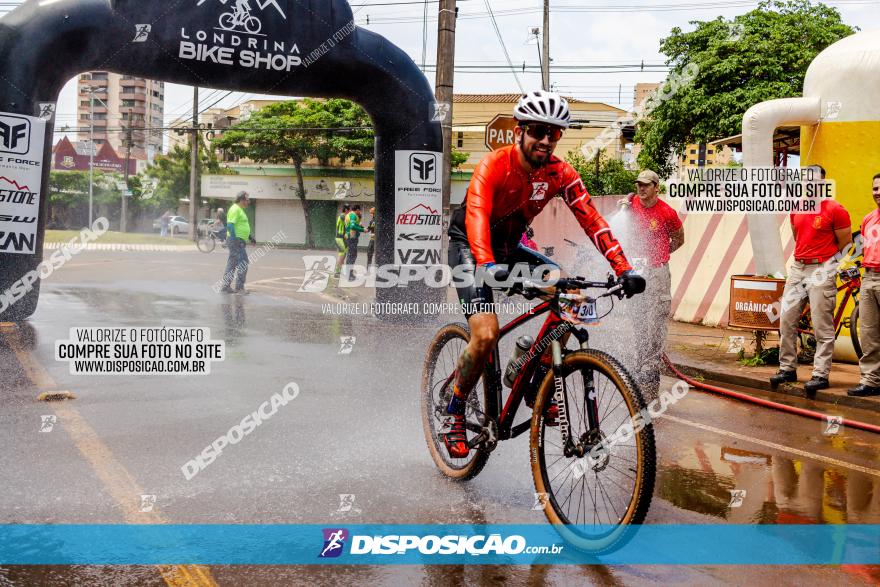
(545, 70)
(193, 168)
(443, 93)
(91, 156)
(123, 221)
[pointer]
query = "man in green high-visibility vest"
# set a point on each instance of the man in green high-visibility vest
(238, 229)
(341, 238)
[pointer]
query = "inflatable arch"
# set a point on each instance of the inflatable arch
(287, 47)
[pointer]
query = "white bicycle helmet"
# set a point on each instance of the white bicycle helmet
(541, 106)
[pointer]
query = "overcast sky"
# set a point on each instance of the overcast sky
(607, 34)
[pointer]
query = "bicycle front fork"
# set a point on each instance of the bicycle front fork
(570, 446)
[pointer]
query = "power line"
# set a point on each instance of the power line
(504, 47)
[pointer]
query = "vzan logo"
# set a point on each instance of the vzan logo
(15, 134)
(423, 168)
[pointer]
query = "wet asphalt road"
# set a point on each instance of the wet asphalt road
(355, 429)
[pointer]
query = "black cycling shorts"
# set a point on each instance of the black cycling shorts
(478, 299)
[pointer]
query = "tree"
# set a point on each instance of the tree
(758, 56)
(613, 178)
(69, 196)
(459, 157)
(171, 171)
(296, 131)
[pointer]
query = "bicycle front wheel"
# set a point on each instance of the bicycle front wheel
(206, 244)
(593, 500)
(854, 331)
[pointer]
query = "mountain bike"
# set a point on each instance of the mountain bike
(850, 284)
(592, 497)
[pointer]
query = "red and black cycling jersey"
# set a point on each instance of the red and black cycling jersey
(503, 198)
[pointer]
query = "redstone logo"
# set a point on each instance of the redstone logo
(420, 215)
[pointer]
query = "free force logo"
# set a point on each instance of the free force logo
(334, 542)
(423, 168)
(15, 134)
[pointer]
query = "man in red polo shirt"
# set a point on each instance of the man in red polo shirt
(869, 302)
(658, 233)
(818, 237)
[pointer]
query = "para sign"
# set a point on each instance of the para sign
(499, 132)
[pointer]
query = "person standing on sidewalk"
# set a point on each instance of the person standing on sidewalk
(238, 229)
(869, 303)
(371, 228)
(341, 249)
(658, 233)
(818, 238)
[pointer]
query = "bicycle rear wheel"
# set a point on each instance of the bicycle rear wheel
(593, 501)
(206, 244)
(440, 363)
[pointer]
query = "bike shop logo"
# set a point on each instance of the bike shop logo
(15, 134)
(334, 542)
(419, 215)
(240, 18)
(423, 168)
(237, 37)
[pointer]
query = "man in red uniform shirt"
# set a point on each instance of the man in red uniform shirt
(818, 237)
(508, 189)
(869, 302)
(658, 233)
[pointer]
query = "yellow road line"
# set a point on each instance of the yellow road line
(116, 479)
(780, 447)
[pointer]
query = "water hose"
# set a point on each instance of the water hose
(766, 403)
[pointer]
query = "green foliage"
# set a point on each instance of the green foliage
(172, 174)
(266, 136)
(296, 131)
(459, 158)
(765, 357)
(757, 56)
(613, 179)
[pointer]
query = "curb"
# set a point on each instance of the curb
(793, 390)
(126, 247)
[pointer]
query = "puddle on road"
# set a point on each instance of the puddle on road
(778, 489)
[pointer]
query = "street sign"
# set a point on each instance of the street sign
(499, 132)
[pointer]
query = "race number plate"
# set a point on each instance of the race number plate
(578, 309)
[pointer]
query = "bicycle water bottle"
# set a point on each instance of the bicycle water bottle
(523, 344)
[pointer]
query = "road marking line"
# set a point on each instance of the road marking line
(116, 479)
(781, 447)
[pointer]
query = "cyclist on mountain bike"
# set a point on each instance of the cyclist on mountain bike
(508, 189)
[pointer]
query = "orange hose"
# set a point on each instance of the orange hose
(766, 403)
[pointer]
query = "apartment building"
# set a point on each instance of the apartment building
(110, 103)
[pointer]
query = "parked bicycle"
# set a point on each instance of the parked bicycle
(591, 500)
(850, 283)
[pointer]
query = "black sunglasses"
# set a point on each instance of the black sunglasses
(539, 131)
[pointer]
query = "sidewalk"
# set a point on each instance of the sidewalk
(702, 351)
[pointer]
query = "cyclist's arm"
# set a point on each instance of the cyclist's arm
(479, 211)
(578, 200)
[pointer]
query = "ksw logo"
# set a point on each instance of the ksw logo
(423, 168)
(15, 134)
(411, 236)
(19, 219)
(420, 215)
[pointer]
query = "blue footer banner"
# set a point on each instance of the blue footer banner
(368, 544)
